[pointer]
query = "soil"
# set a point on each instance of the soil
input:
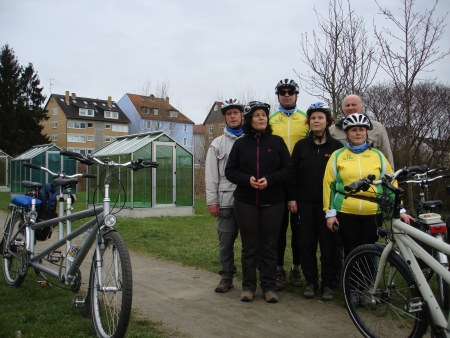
(183, 301)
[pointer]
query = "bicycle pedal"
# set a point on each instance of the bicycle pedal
(78, 301)
(414, 304)
(42, 282)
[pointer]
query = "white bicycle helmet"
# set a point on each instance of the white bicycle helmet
(318, 106)
(253, 105)
(354, 120)
(231, 103)
(287, 83)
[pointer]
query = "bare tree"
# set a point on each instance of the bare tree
(407, 50)
(339, 56)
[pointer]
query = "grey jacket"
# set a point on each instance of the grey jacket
(218, 189)
(378, 138)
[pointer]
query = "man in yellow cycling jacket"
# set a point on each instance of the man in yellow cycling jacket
(289, 123)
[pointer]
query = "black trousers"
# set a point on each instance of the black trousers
(313, 231)
(281, 247)
(259, 228)
(356, 230)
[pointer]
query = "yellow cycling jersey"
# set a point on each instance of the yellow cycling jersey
(345, 167)
(292, 129)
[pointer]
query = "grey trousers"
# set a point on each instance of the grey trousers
(227, 230)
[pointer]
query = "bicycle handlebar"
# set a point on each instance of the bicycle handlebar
(57, 175)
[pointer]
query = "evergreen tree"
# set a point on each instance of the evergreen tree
(21, 105)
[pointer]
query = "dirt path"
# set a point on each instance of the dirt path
(183, 299)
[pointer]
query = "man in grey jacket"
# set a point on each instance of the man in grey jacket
(219, 191)
(378, 137)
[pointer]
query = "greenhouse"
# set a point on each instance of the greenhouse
(46, 155)
(5, 168)
(165, 191)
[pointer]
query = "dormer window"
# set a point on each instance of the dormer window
(173, 113)
(86, 112)
(146, 110)
(155, 111)
(111, 115)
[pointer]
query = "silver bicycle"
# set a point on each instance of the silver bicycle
(385, 290)
(109, 296)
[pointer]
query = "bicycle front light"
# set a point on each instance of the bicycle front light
(110, 220)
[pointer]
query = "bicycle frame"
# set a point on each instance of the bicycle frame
(409, 249)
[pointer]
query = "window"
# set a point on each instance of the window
(210, 140)
(216, 107)
(221, 128)
(120, 127)
(55, 111)
(157, 125)
(185, 127)
(107, 139)
(76, 138)
(54, 125)
(211, 129)
(89, 151)
(146, 110)
(149, 124)
(173, 113)
(54, 138)
(76, 125)
(107, 126)
(111, 115)
(155, 111)
(90, 125)
(90, 138)
(185, 141)
(170, 126)
(86, 112)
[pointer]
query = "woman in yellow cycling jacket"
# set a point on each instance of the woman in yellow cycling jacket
(357, 219)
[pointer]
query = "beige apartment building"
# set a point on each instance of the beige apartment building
(83, 125)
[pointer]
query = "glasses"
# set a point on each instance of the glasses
(283, 92)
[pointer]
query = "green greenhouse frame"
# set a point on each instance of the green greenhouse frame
(164, 191)
(5, 169)
(45, 155)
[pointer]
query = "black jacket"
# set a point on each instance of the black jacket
(310, 160)
(262, 156)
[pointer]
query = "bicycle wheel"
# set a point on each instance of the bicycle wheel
(111, 290)
(15, 257)
(381, 312)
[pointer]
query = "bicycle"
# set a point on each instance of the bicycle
(109, 295)
(432, 223)
(385, 290)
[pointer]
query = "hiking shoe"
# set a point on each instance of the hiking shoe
(247, 296)
(281, 282)
(224, 285)
(310, 291)
(271, 297)
(327, 293)
(294, 276)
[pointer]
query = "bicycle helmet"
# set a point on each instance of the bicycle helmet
(354, 120)
(253, 105)
(231, 103)
(287, 83)
(318, 106)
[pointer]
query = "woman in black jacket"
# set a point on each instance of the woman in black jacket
(259, 164)
(310, 157)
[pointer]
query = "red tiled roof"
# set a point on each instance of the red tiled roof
(199, 129)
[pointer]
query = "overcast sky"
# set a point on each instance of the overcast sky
(206, 49)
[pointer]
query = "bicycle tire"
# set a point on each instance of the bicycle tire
(381, 313)
(111, 303)
(15, 258)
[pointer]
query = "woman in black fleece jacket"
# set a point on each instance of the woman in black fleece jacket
(259, 164)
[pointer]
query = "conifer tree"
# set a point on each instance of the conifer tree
(21, 105)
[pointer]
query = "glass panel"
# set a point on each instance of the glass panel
(53, 164)
(184, 177)
(164, 174)
(3, 164)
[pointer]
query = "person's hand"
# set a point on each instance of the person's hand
(214, 210)
(406, 218)
(292, 206)
(254, 183)
(262, 183)
(330, 222)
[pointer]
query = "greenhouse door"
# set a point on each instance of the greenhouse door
(164, 184)
(4, 167)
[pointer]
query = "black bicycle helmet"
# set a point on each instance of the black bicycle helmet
(231, 103)
(354, 120)
(253, 105)
(287, 83)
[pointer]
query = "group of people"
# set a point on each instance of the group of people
(290, 167)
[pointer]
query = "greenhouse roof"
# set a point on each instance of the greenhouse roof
(129, 144)
(2, 153)
(36, 150)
